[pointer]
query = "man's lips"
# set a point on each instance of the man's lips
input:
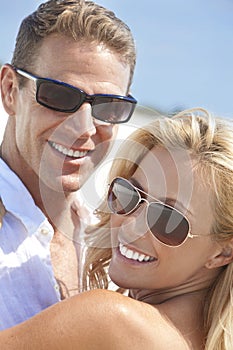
(68, 151)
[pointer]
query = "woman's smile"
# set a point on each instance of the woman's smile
(134, 255)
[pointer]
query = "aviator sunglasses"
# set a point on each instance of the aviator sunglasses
(166, 223)
(63, 97)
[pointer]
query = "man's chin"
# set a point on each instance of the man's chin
(65, 184)
(72, 184)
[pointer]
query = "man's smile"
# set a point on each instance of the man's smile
(68, 151)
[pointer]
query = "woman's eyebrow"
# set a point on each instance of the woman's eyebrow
(175, 203)
(137, 184)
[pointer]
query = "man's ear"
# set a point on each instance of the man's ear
(9, 88)
(223, 257)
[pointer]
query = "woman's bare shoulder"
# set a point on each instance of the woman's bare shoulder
(129, 323)
(98, 319)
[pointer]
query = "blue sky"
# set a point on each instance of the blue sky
(185, 49)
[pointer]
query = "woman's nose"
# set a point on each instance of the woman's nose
(133, 226)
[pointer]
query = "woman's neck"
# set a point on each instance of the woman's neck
(156, 297)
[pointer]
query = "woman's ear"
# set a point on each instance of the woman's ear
(9, 88)
(223, 257)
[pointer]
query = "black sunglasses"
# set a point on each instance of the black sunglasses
(166, 223)
(62, 97)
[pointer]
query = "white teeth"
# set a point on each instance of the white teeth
(68, 152)
(147, 258)
(136, 256)
(141, 257)
(130, 254)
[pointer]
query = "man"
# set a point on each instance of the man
(65, 91)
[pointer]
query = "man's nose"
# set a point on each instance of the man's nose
(82, 121)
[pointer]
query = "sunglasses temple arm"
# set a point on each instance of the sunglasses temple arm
(190, 235)
(25, 74)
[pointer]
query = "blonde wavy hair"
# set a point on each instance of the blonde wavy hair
(79, 19)
(210, 140)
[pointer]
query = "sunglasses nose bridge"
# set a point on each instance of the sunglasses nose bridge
(87, 98)
(82, 97)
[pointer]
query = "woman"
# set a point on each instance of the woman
(171, 202)
(169, 208)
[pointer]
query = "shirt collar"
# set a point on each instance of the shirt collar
(17, 199)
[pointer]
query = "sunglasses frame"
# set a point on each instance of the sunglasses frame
(141, 199)
(84, 96)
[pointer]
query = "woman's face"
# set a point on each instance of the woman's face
(168, 176)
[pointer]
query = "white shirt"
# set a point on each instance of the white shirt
(27, 282)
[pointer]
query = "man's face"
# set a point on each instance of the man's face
(63, 149)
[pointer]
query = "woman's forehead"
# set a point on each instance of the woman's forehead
(167, 173)
(166, 162)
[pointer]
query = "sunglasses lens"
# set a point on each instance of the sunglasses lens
(166, 224)
(58, 96)
(122, 197)
(112, 110)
